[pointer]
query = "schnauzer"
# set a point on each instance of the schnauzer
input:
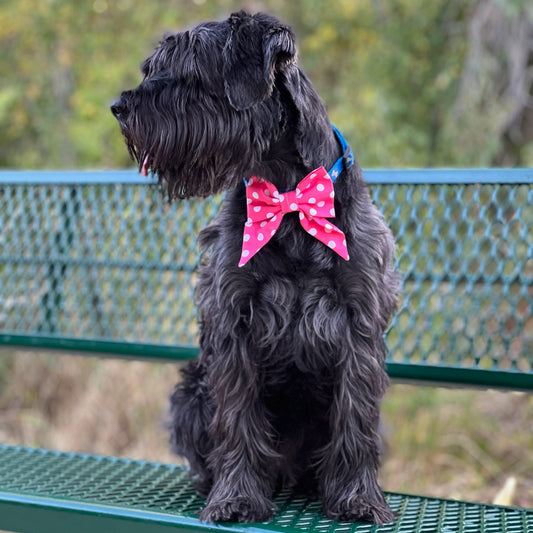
(296, 285)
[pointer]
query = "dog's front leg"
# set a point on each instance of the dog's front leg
(349, 463)
(243, 458)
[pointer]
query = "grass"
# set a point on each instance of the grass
(453, 443)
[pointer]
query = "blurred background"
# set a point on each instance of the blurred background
(411, 83)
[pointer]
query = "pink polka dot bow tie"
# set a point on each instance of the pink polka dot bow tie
(312, 198)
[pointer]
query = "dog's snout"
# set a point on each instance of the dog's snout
(118, 108)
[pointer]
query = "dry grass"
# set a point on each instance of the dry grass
(459, 443)
(447, 443)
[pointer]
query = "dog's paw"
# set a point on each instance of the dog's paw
(239, 509)
(359, 509)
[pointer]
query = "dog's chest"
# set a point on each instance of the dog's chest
(299, 321)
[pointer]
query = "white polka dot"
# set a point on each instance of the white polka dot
(260, 236)
(267, 192)
(245, 253)
(248, 201)
(312, 200)
(270, 215)
(248, 224)
(320, 187)
(263, 224)
(301, 215)
(272, 232)
(331, 244)
(313, 231)
(294, 206)
(332, 194)
(298, 192)
(328, 227)
(313, 212)
(246, 238)
(255, 195)
(321, 204)
(257, 208)
(280, 197)
(344, 242)
(274, 218)
(312, 176)
(332, 212)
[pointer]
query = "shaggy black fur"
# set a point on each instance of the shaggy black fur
(288, 385)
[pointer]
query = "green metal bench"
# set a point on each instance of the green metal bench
(97, 262)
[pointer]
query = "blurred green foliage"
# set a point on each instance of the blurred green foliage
(392, 73)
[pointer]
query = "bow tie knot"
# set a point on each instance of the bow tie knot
(313, 198)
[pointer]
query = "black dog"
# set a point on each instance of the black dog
(288, 385)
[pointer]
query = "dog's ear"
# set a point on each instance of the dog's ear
(258, 46)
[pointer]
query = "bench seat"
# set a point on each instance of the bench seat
(43, 491)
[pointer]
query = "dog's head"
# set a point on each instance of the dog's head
(209, 105)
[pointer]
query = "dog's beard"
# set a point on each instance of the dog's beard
(192, 153)
(184, 174)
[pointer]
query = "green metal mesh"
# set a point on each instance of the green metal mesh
(133, 485)
(99, 261)
(115, 262)
(466, 256)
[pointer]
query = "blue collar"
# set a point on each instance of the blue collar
(345, 160)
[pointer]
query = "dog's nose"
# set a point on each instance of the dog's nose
(118, 108)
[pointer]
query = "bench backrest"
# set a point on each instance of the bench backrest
(99, 262)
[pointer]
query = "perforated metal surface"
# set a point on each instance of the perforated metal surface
(116, 483)
(114, 262)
